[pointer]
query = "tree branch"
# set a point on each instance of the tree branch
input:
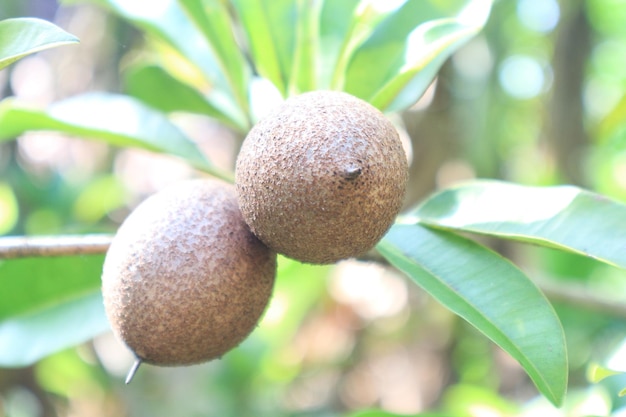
(13, 247)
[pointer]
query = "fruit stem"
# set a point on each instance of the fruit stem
(133, 370)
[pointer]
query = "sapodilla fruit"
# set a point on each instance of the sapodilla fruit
(184, 279)
(321, 178)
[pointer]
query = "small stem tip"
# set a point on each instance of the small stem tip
(133, 371)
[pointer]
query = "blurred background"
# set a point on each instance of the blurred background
(537, 98)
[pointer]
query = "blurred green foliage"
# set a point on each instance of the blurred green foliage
(537, 98)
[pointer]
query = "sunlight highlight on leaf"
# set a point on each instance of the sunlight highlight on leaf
(596, 373)
(410, 44)
(561, 217)
(112, 118)
(504, 203)
(475, 13)
(23, 36)
(28, 338)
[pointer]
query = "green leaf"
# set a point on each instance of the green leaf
(156, 87)
(363, 20)
(490, 293)
(561, 217)
(116, 119)
(434, 43)
(49, 304)
(35, 283)
(166, 21)
(213, 20)
(409, 46)
(26, 339)
(338, 19)
(270, 28)
(306, 49)
(597, 372)
(23, 36)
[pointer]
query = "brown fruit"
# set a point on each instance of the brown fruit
(185, 280)
(322, 178)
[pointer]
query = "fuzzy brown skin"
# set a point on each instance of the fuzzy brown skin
(322, 178)
(185, 280)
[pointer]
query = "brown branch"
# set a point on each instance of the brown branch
(13, 247)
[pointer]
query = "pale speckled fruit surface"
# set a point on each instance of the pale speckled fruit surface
(185, 280)
(321, 178)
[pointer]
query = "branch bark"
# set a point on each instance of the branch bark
(13, 247)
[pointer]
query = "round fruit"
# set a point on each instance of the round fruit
(322, 178)
(185, 280)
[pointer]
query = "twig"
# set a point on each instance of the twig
(13, 247)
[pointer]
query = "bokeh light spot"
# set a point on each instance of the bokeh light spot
(522, 77)
(539, 15)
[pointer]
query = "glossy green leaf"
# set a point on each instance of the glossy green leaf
(26, 339)
(270, 28)
(306, 49)
(36, 283)
(409, 46)
(562, 217)
(156, 87)
(212, 18)
(48, 304)
(336, 40)
(166, 21)
(364, 20)
(116, 119)
(433, 43)
(597, 372)
(23, 36)
(490, 293)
